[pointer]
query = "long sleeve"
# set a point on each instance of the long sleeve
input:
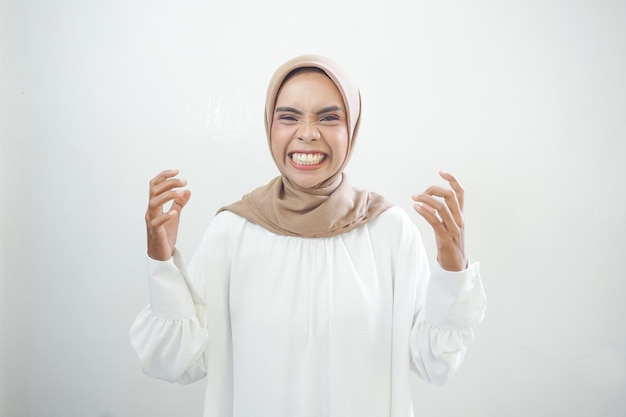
(184, 334)
(169, 335)
(316, 325)
(435, 311)
(443, 326)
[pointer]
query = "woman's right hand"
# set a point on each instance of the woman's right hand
(162, 226)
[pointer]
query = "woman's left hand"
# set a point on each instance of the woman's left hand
(443, 209)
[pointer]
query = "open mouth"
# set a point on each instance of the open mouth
(307, 159)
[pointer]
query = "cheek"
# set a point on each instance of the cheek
(275, 151)
(277, 133)
(276, 146)
(280, 136)
(342, 144)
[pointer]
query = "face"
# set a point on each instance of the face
(309, 134)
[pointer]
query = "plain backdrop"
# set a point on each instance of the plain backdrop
(524, 101)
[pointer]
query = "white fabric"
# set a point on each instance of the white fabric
(295, 327)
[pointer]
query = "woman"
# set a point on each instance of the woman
(308, 297)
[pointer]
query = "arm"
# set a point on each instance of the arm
(451, 300)
(169, 335)
(448, 307)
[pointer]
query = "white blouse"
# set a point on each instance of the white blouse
(295, 327)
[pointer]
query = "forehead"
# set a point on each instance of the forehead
(306, 85)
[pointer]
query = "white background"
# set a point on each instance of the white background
(524, 101)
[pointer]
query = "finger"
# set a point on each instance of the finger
(430, 215)
(430, 209)
(165, 181)
(456, 186)
(155, 205)
(450, 198)
(163, 176)
(449, 221)
(439, 191)
(167, 185)
(182, 200)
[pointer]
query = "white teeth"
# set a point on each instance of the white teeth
(307, 158)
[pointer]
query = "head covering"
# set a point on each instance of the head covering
(331, 207)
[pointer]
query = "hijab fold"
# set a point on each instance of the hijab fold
(333, 206)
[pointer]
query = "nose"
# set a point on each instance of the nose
(308, 132)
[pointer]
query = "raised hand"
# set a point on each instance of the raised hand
(443, 209)
(162, 225)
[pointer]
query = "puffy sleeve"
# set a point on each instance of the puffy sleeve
(444, 326)
(171, 334)
(447, 307)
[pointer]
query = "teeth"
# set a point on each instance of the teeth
(307, 158)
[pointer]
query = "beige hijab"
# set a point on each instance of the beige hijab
(333, 206)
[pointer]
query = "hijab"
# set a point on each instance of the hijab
(329, 208)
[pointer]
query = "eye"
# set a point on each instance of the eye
(329, 118)
(287, 118)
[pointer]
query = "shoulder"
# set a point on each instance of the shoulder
(394, 226)
(228, 220)
(230, 225)
(225, 225)
(228, 230)
(226, 217)
(394, 218)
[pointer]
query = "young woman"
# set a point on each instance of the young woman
(308, 297)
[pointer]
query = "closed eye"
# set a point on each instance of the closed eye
(329, 118)
(287, 118)
(330, 114)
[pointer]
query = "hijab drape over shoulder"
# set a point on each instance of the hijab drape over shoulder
(331, 207)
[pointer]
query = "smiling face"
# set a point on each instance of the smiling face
(309, 133)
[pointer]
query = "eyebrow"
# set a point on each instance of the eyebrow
(298, 112)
